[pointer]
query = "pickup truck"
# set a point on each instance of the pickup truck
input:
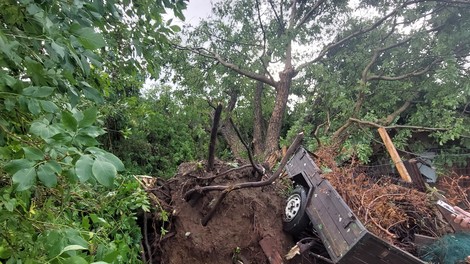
(314, 204)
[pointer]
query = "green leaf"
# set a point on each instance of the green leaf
(46, 174)
(106, 156)
(59, 49)
(48, 106)
(175, 28)
(42, 129)
(75, 260)
(92, 131)
(85, 140)
(24, 178)
(72, 247)
(104, 172)
(83, 168)
(33, 106)
(90, 39)
(89, 117)
(10, 204)
(35, 91)
(55, 166)
(69, 121)
(33, 153)
(15, 165)
(92, 94)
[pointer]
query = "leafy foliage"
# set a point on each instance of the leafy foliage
(154, 135)
(62, 200)
(72, 224)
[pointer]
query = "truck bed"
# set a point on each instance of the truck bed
(343, 235)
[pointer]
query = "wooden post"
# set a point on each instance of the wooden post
(394, 154)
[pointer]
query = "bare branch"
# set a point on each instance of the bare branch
(394, 26)
(212, 55)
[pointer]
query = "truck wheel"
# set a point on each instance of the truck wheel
(295, 219)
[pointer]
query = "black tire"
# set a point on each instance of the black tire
(295, 219)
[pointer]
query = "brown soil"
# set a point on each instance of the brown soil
(245, 217)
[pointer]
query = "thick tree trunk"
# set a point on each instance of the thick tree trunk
(258, 122)
(275, 122)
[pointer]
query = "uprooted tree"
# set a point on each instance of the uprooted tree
(382, 61)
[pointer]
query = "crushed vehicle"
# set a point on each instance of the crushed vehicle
(315, 206)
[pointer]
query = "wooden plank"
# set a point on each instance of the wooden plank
(394, 154)
(268, 245)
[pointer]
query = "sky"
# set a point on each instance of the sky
(196, 10)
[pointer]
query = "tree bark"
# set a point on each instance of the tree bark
(258, 121)
(275, 122)
(227, 130)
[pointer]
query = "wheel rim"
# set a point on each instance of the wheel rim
(292, 207)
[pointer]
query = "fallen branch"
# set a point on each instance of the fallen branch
(398, 126)
(228, 188)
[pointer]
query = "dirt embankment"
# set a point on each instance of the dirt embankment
(245, 217)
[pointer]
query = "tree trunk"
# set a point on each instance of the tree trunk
(258, 122)
(227, 130)
(275, 122)
(232, 140)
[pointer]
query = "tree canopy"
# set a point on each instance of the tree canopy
(385, 62)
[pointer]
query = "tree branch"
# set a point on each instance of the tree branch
(264, 43)
(404, 76)
(351, 36)
(212, 55)
(278, 18)
(389, 119)
(309, 14)
(376, 55)
(419, 128)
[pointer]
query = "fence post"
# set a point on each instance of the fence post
(394, 154)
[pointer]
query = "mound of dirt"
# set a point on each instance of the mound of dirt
(243, 219)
